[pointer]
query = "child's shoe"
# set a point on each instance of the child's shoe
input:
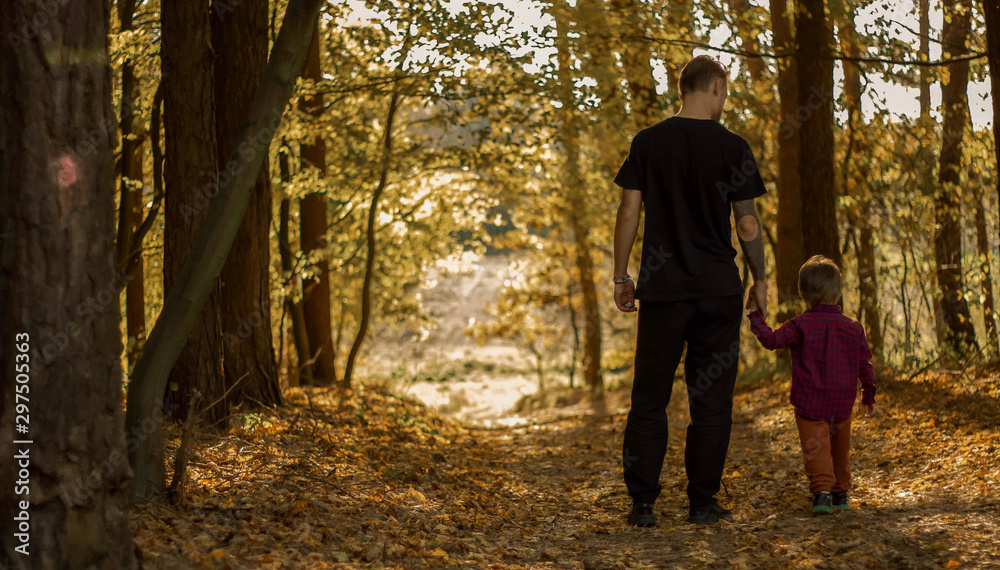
(822, 503)
(840, 501)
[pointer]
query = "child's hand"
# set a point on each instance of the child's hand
(869, 410)
(752, 305)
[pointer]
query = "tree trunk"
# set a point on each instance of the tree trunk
(636, 55)
(312, 216)
(679, 25)
(960, 334)
(790, 254)
(129, 249)
(748, 36)
(59, 303)
(856, 185)
(815, 112)
(302, 375)
(239, 38)
(191, 179)
(366, 287)
(612, 127)
(574, 188)
(991, 10)
(986, 279)
(925, 72)
(194, 285)
(925, 78)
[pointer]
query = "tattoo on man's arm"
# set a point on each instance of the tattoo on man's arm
(751, 236)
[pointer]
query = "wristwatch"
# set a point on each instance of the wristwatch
(623, 279)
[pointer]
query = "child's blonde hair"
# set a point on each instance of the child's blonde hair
(819, 281)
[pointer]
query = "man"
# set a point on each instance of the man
(689, 170)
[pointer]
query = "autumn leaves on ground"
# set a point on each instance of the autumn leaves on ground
(371, 480)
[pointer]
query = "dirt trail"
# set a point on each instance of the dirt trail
(373, 481)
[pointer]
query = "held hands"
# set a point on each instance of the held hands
(757, 299)
(625, 296)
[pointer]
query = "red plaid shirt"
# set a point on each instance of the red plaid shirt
(830, 354)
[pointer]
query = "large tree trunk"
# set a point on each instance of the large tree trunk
(573, 187)
(960, 334)
(991, 10)
(312, 216)
(815, 110)
(239, 38)
(790, 254)
(856, 180)
(191, 179)
(194, 285)
(65, 474)
(129, 248)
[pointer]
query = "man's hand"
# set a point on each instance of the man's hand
(625, 296)
(758, 297)
(869, 410)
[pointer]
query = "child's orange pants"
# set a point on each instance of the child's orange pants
(826, 448)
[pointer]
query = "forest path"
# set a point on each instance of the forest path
(374, 481)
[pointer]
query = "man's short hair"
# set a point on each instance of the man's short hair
(819, 281)
(699, 73)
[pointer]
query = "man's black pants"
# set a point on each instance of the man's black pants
(711, 329)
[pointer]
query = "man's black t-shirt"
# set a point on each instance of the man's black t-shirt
(689, 170)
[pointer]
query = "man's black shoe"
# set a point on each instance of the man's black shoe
(642, 515)
(710, 513)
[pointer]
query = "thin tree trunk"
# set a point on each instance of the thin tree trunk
(60, 341)
(790, 253)
(573, 187)
(815, 109)
(748, 36)
(239, 38)
(612, 127)
(576, 333)
(191, 179)
(636, 56)
(679, 26)
(986, 279)
(313, 219)
(925, 72)
(857, 174)
(960, 334)
(302, 375)
(366, 288)
(927, 156)
(193, 286)
(129, 249)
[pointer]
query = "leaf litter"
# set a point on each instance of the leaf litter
(370, 480)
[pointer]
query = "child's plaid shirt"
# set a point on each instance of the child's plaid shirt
(830, 354)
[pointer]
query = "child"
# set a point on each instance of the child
(830, 354)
